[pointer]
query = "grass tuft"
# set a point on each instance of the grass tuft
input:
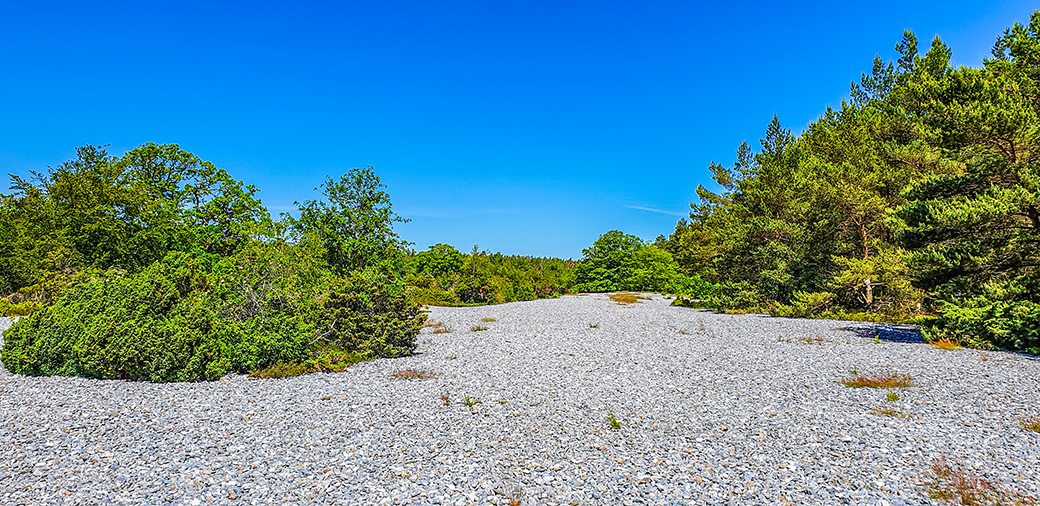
(413, 374)
(625, 298)
(951, 483)
(489, 320)
(802, 340)
(1032, 424)
(891, 380)
(890, 412)
(945, 344)
(477, 328)
(438, 327)
(614, 423)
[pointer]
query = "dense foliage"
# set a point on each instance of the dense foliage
(157, 266)
(623, 262)
(442, 275)
(355, 223)
(920, 195)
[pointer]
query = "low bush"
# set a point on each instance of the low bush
(369, 312)
(180, 319)
(194, 318)
(986, 324)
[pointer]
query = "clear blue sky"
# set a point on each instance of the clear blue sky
(524, 127)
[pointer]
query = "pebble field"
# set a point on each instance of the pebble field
(709, 409)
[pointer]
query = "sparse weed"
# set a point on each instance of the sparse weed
(614, 423)
(413, 374)
(438, 327)
(452, 357)
(477, 328)
(891, 380)
(593, 325)
(951, 483)
(890, 412)
(467, 400)
(945, 344)
(1032, 424)
(512, 494)
(892, 396)
(489, 320)
(802, 340)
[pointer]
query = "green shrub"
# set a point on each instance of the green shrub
(982, 323)
(180, 319)
(152, 326)
(432, 297)
(369, 312)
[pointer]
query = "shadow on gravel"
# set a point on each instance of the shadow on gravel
(891, 332)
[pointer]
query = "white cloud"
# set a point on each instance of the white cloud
(659, 211)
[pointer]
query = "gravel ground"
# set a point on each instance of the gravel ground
(714, 409)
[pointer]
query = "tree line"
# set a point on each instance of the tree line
(917, 196)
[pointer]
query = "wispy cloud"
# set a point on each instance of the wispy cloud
(659, 211)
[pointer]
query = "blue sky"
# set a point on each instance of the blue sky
(524, 127)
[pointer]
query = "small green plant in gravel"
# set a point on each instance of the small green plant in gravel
(614, 423)
(477, 328)
(892, 396)
(489, 320)
(469, 401)
(593, 325)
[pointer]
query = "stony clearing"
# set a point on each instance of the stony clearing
(710, 409)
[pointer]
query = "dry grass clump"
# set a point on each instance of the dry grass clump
(625, 298)
(802, 340)
(890, 412)
(438, 327)
(891, 380)
(413, 374)
(945, 344)
(951, 483)
(1032, 424)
